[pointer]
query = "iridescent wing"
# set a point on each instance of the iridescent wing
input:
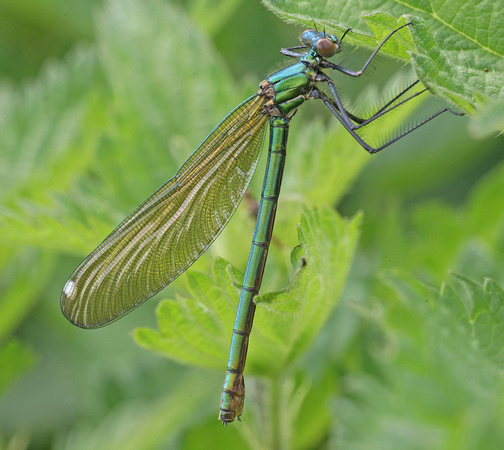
(173, 227)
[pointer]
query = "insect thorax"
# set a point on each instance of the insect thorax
(287, 89)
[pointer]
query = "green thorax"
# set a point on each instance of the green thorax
(288, 88)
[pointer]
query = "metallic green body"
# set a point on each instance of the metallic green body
(287, 89)
(234, 389)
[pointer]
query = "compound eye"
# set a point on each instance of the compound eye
(326, 47)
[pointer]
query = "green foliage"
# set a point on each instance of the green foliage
(457, 50)
(389, 352)
(440, 363)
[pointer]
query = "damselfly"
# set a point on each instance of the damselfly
(175, 225)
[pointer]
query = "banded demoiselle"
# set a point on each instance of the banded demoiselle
(172, 228)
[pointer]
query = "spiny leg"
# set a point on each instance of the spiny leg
(335, 109)
(359, 120)
(391, 104)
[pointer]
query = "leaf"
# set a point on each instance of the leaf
(485, 308)
(54, 147)
(288, 321)
(458, 49)
(433, 365)
(41, 161)
(104, 107)
(454, 66)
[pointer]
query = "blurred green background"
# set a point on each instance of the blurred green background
(65, 183)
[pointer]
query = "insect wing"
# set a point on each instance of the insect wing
(173, 227)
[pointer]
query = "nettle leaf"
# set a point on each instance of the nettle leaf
(460, 64)
(437, 365)
(288, 321)
(484, 306)
(48, 128)
(456, 48)
(197, 329)
(49, 131)
(106, 106)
